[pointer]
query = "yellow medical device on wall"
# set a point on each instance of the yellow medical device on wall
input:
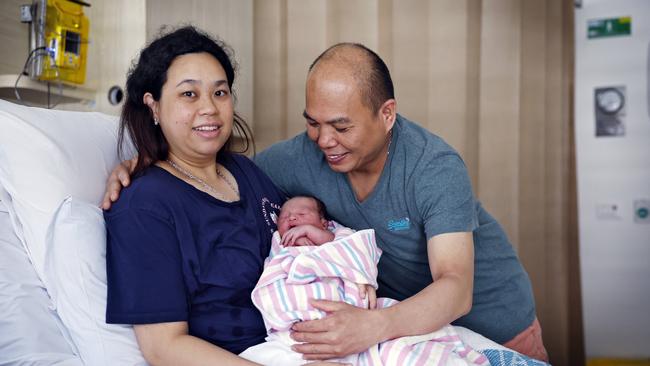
(59, 41)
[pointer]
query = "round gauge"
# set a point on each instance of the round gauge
(610, 100)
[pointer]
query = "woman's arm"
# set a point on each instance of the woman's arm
(170, 344)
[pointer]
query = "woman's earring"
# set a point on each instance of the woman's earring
(155, 122)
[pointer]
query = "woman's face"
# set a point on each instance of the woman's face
(195, 109)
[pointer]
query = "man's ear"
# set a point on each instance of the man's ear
(147, 99)
(388, 113)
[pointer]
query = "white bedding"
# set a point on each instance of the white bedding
(30, 333)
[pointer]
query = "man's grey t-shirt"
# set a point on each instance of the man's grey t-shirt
(424, 190)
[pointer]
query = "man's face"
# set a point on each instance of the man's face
(352, 137)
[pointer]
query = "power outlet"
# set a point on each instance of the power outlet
(608, 211)
(26, 13)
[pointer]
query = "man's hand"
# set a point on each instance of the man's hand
(344, 331)
(120, 177)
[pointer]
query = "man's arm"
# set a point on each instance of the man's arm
(451, 260)
(170, 344)
(120, 177)
(347, 329)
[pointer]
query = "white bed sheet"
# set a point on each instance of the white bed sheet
(30, 333)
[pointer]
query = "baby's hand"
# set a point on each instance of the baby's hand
(303, 241)
(369, 291)
(297, 236)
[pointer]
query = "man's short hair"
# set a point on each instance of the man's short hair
(373, 77)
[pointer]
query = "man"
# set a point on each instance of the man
(444, 257)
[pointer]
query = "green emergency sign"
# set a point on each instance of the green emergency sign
(611, 27)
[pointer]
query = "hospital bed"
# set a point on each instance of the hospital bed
(53, 169)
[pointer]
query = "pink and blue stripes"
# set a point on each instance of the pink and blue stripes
(331, 271)
(334, 271)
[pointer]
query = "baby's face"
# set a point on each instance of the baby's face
(299, 211)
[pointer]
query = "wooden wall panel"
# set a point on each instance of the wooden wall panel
(353, 21)
(532, 143)
(472, 90)
(14, 37)
(117, 33)
(385, 31)
(563, 311)
(270, 76)
(499, 112)
(411, 59)
(306, 39)
(450, 104)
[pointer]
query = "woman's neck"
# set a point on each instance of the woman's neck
(204, 168)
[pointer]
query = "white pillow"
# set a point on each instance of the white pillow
(76, 270)
(47, 155)
(30, 332)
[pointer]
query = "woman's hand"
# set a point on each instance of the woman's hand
(345, 330)
(120, 177)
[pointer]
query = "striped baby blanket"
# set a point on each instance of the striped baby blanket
(334, 271)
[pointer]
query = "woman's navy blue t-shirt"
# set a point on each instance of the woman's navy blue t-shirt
(175, 253)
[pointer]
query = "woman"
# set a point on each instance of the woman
(187, 239)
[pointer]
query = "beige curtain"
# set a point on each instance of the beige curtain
(493, 78)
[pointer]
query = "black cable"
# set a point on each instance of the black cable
(24, 71)
(31, 55)
(82, 3)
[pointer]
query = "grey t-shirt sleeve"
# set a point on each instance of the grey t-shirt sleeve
(443, 193)
(277, 161)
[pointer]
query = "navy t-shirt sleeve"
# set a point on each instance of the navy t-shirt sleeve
(444, 196)
(144, 269)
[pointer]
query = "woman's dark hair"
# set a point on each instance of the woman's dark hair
(148, 76)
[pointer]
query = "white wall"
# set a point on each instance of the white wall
(614, 170)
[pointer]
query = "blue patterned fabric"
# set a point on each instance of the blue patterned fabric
(499, 357)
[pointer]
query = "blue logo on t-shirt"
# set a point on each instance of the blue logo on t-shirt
(399, 224)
